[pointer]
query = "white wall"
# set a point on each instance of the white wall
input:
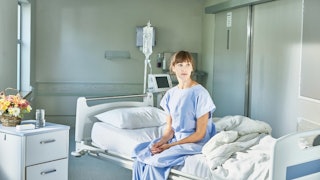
(71, 37)
(208, 43)
(8, 44)
(76, 34)
(308, 101)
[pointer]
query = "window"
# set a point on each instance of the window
(19, 47)
(23, 46)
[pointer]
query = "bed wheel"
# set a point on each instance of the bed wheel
(76, 153)
(316, 141)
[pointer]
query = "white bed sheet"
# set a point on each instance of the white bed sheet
(121, 141)
(253, 163)
(129, 138)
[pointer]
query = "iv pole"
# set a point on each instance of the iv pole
(147, 38)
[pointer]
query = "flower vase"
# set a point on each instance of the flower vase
(10, 121)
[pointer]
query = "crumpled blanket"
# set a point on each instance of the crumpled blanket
(235, 134)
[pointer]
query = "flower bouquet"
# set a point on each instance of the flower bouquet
(12, 108)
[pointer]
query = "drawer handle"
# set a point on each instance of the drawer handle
(48, 172)
(47, 141)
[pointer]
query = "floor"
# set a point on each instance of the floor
(90, 168)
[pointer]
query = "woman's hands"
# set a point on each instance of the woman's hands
(159, 147)
(162, 145)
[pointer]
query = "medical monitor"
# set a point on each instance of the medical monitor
(159, 82)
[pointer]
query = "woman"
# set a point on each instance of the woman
(189, 126)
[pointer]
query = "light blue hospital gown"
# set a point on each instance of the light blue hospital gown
(184, 106)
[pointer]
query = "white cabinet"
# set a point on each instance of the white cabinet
(34, 154)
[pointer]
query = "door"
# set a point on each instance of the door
(231, 61)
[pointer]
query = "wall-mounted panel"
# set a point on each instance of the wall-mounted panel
(310, 62)
(59, 98)
(309, 99)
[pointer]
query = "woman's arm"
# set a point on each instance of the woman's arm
(168, 132)
(167, 135)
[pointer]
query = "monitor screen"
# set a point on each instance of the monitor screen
(162, 82)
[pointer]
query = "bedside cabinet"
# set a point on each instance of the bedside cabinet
(37, 154)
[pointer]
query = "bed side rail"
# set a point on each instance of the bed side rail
(292, 158)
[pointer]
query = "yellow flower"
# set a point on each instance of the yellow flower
(29, 108)
(4, 104)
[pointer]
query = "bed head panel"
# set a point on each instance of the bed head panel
(84, 114)
(291, 159)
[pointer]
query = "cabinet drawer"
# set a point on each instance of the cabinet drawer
(55, 170)
(46, 147)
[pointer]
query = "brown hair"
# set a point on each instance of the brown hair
(180, 57)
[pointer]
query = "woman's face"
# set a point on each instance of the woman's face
(183, 70)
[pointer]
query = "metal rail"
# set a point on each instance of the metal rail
(232, 4)
(117, 97)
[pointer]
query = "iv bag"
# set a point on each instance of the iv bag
(147, 40)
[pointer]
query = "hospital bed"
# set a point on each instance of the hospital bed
(242, 151)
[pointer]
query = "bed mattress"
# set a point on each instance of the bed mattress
(250, 163)
(123, 141)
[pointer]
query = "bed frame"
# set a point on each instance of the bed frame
(287, 156)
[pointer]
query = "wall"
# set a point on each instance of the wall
(8, 44)
(71, 37)
(309, 101)
(208, 43)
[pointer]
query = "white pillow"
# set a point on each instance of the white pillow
(133, 118)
